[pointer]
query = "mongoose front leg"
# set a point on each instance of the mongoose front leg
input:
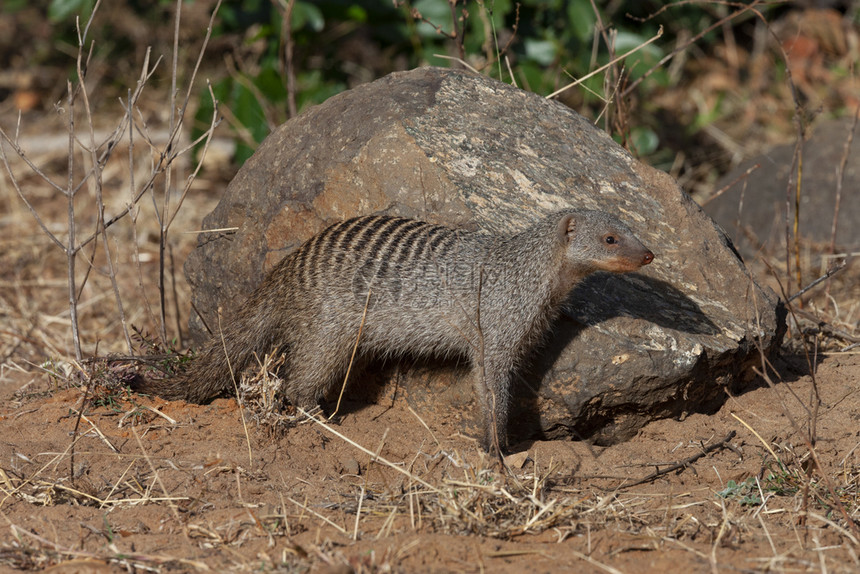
(492, 386)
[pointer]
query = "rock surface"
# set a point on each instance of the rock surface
(752, 210)
(455, 148)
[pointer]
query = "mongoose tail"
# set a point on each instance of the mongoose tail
(248, 333)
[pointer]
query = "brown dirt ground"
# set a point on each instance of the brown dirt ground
(201, 490)
(197, 490)
(167, 486)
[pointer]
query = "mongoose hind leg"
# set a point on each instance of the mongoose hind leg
(317, 364)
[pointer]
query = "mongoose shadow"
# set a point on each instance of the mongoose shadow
(598, 298)
(601, 296)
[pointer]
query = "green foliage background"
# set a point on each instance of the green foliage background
(553, 43)
(549, 43)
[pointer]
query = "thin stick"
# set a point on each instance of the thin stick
(595, 563)
(840, 178)
(318, 515)
(687, 461)
(358, 514)
(809, 437)
(163, 215)
(115, 485)
(99, 433)
(166, 216)
(97, 171)
(289, 72)
(71, 251)
(826, 328)
(367, 451)
(458, 60)
(75, 435)
(354, 350)
(155, 476)
(510, 71)
(758, 436)
(133, 208)
(459, 34)
(728, 186)
(830, 273)
(692, 40)
(433, 436)
(482, 369)
(608, 64)
(120, 558)
(235, 390)
(797, 194)
(836, 527)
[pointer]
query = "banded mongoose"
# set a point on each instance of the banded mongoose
(432, 290)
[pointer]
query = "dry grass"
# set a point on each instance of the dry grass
(443, 491)
(795, 508)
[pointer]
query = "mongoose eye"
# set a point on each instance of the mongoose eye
(610, 240)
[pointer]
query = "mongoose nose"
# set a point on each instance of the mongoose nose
(647, 258)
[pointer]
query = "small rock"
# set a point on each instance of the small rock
(350, 466)
(518, 459)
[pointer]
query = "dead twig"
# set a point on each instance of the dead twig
(834, 269)
(354, 352)
(840, 179)
(686, 462)
(730, 185)
(743, 9)
(287, 66)
(608, 64)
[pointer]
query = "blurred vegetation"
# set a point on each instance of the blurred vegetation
(269, 59)
(540, 45)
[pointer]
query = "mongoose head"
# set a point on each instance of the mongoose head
(597, 241)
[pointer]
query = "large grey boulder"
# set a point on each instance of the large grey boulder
(461, 149)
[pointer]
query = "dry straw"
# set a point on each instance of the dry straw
(803, 504)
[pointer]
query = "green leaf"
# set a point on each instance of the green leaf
(12, 6)
(580, 14)
(305, 13)
(59, 10)
(541, 51)
(644, 140)
(356, 13)
(271, 84)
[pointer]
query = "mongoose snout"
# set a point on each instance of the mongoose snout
(411, 288)
(624, 253)
(629, 255)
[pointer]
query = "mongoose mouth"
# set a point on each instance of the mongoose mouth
(621, 264)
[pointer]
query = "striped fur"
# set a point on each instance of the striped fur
(428, 289)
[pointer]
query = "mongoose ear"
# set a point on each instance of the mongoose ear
(567, 228)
